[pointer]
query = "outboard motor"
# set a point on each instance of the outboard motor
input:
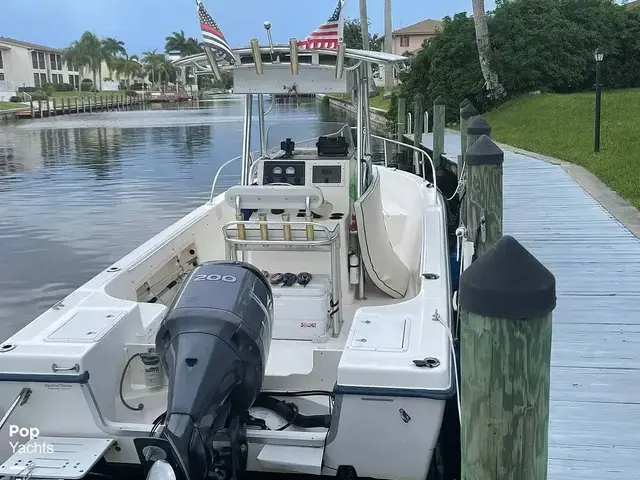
(214, 343)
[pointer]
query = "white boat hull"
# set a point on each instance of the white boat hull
(386, 412)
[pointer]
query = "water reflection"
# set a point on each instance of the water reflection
(79, 192)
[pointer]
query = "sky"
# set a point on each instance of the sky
(144, 24)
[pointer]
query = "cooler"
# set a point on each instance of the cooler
(302, 313)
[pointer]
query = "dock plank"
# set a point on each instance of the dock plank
(595, 364)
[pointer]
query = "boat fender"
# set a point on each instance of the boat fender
(354, 269)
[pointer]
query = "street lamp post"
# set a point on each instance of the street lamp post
(599, 56)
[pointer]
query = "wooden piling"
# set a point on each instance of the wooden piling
(477, 127)
(418, 129)
(402, 118)
(483, 203)
(77, 111)
(40, 108)
(506, 298)
(32, 109)
(466, 115)
(439, 114)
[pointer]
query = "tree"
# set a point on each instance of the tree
(92, 48)
(177, 42)
(112, 49)
(76, 57)
(492, 84)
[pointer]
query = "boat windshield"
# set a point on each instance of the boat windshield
(306, 135)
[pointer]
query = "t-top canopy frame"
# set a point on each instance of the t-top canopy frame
(281, 68)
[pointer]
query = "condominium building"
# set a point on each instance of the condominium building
(25, 64)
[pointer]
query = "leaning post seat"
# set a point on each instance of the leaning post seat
(272, 234)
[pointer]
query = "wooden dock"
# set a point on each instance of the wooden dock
(595, 358)
(89, 104)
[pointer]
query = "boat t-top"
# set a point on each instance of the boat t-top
(298, 322)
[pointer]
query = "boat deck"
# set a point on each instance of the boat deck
(595, 359)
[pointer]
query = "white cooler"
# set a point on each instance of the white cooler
(302, 313)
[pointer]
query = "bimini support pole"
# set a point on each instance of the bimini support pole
(263, 140)
(246, 140)
(360, 154)
(215, 68)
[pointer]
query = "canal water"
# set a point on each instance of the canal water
(79, 192)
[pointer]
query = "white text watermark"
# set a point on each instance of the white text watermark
(25, 440)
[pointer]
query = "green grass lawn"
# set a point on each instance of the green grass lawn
(11, 106)
(376, 102)
(562, 126)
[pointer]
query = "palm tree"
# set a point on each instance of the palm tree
(75, 56)
(92, 46)
(112, 48)
(177, 42)
(492, 84)
(151, 63)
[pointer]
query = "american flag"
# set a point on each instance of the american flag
(328, 35)
(212, 34)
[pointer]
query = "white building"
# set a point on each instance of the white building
(24, 64)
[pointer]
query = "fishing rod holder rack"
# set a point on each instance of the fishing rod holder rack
(286, 236)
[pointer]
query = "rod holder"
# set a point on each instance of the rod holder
(340, 61)
(286, 228)
(212, 62)
(293, 46)
(257, 58)
(264, 228)
(242, 231)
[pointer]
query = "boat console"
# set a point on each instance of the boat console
(298, 210)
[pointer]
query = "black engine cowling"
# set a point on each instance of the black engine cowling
(214, 343)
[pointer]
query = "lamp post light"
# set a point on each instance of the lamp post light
(599, 56)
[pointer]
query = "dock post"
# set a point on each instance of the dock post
(483, 198)
(418, 129)
(402, 118)
(77, 105)
(439, 114)
(32, 110)
(40, 108)
(55, 112)
(477, 127)
(467, 112)
(506, 298)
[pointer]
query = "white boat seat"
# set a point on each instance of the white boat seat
(266, 197)
(384, 266)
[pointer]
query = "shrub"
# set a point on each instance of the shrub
(544, 45)
(39, 95)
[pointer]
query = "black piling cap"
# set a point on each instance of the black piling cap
(484, 152)
(508, 282)
(440, 100)
(469, 111)
(464, 103)
(479, 126)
